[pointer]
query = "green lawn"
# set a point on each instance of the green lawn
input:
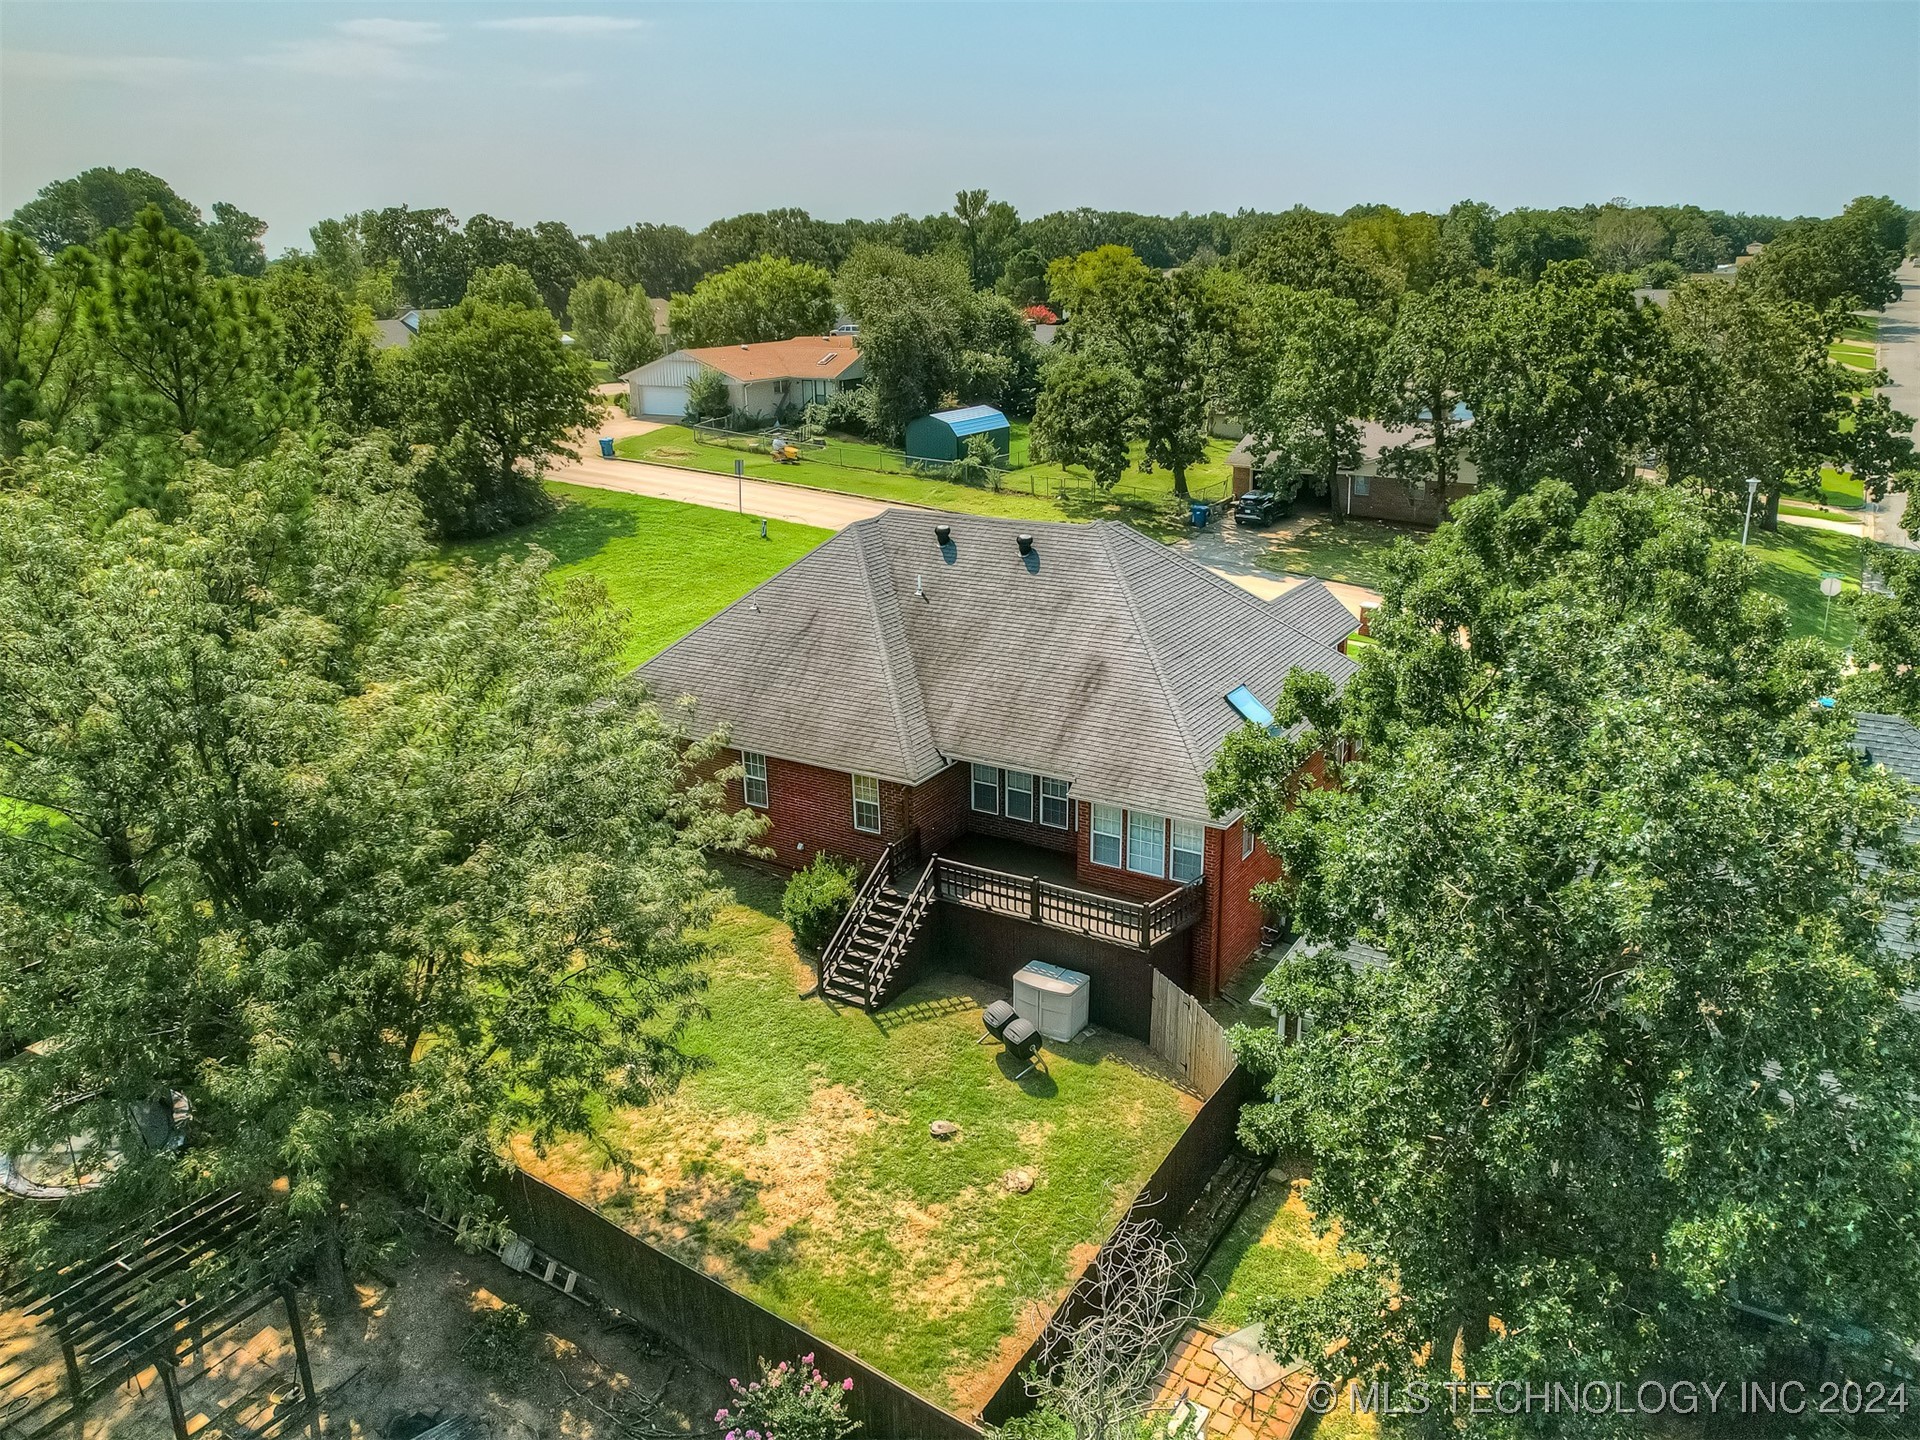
(1026, 492)
(668, 565)
(1792, 561)
(1860, 357)
(1862, 329)
(1349, 551)
(798, 1167)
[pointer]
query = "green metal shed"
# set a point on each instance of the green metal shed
(944, 434)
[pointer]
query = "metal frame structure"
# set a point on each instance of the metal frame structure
(155, 1296)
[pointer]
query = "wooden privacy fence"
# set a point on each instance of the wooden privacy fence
(716, 1326)
(1189, 1039)
(1167, 1196)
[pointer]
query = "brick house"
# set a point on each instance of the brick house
(1010, 725)
(1367, 492)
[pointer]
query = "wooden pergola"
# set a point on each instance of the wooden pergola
(157, 1295)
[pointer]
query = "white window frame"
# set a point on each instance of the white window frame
(1362, 486)
(1117, 817)
(872, 799)
(1142, 824)
(1059, 797)
(753, 779)
(1176, 831)
(1024, 791)
(1246, 841)
(988, 776)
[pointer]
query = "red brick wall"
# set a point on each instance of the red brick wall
(811, 809)
(940, 808)
(1238, 918)
(1029, 832)
(1396, 500)
(1120, 882)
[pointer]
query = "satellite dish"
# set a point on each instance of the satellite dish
(1830, 584)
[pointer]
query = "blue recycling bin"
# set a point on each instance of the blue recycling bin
(606, 447)
(1199, 514)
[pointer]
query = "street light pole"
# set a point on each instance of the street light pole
(1753, 488)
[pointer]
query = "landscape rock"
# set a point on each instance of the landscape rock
(1018, 1182)
(943, 1129)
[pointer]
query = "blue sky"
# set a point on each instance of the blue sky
(603, 114)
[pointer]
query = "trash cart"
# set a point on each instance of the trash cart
(606, 447)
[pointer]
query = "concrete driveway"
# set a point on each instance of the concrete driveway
(1900, 357)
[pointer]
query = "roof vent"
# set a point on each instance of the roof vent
(943, 534)
(1026, 544)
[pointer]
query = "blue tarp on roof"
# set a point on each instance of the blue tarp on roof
(971, 419)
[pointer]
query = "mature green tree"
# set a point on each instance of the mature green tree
(1024, 280)
(989, 228)
(1301, 250)
(1088, 409)
(324, 336)
(1568, 376)
(1887, 643)
(1102, 294)
(82, 210)
(1467, 238)
(769, 298)
(1760, 397)
(1829, 263)
(425, 247)
(614, 322)
(181, 354)
(785, 234)
(379, 866)
(231, 241)
(506, 285)
(912, 311)
(1178, 361)
(1425, 366)
(1627, 238)
(46, 371)
(1408, 247)
(655, 258)
(1637, 1046)
(1526, 242)
(496, 395)
(1310, 385)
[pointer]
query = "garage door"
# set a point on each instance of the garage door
(669, 401)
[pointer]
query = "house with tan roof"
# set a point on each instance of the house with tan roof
(762, 379)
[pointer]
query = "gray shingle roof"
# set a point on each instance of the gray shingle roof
(1316, 612)
(1103, 657)
(1894, 742)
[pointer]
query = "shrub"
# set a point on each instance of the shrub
(788, 1402)
(708, 397)
(496, 1342)
(817, 899)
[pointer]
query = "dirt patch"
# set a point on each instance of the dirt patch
(972, 1390)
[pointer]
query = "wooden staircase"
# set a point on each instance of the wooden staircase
(864, 958)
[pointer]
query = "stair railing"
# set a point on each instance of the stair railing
(893, 950)
(863, 900)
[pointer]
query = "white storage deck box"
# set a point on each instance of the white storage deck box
(1052, 999)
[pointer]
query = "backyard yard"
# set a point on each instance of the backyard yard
(668, 565)
(797, 1164)
(1028, 491)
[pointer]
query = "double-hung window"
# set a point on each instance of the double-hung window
(1053, 803)
(1146, 843)
(1019, 795)
(1246, 840)
(1106, 835)
(1189, 851)
(866, 804)
(986, 790)
(753, 780)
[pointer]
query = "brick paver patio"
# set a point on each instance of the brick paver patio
(1235, 1413)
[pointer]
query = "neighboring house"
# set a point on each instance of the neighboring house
(1366, 494)
(1894, 742)
(398, 332)
(1011, 724)
(943, 435)
(1316, 612)
(760, 378)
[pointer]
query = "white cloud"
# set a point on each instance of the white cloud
(135, 70)
(369, 49)
(572, 25)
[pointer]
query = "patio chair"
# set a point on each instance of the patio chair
(996, 1019)
(1022, 1042)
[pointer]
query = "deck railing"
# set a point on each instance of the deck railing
(1061, 907)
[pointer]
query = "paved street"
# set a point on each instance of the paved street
(1900, 358)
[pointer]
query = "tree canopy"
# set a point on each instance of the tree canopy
(378, 866)
(1636, 1047)
(768, 298)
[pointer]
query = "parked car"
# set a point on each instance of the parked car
(1258, 507)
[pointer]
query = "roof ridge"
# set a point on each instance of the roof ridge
(901, 662)
(1107, 529)
(1243, 597)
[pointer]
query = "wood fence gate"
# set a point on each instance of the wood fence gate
(1188, 1038)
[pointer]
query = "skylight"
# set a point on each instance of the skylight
(1249, 708)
